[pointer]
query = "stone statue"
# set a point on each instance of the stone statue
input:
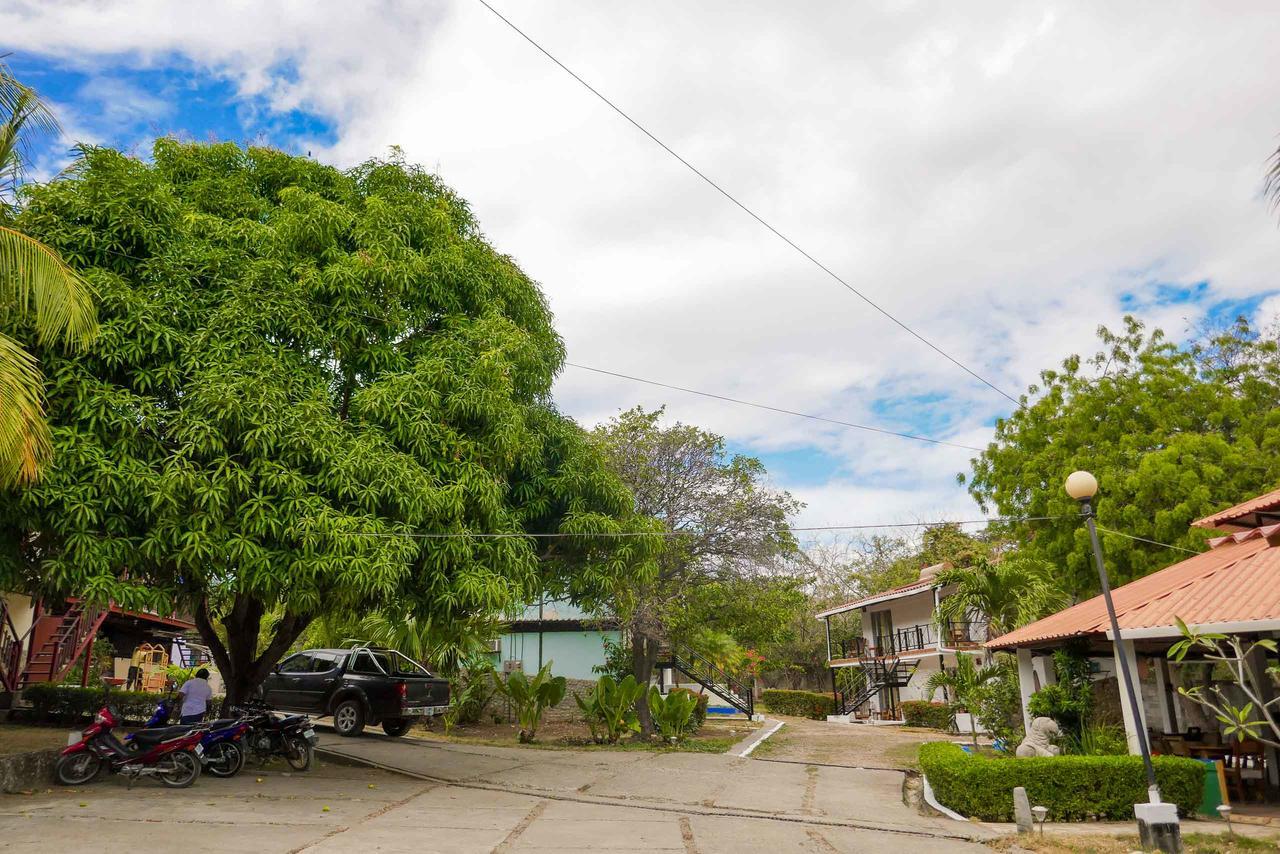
(1039, 742)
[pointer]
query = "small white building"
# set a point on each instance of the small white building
(900, 646)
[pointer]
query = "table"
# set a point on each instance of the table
(1209, 751)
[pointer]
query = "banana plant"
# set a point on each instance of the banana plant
(610, 708)
(673, 713)
(530, 697)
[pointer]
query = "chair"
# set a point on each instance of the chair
(1248, 771)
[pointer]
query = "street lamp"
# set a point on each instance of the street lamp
(1082, 486)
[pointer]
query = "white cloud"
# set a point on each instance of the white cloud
(996, 177)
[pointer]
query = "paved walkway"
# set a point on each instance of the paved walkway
(453, 798)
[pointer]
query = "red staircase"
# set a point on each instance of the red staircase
(58, 640)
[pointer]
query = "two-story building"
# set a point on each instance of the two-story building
(900, 645)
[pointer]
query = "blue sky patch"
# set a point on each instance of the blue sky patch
(127, 107)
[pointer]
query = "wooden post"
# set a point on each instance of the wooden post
(88, 662)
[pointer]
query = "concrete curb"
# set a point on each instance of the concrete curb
(22, 771)
(932, 801)
(757, 740)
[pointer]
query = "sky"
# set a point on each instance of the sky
(1003, 177)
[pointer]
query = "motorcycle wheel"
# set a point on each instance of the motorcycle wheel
(224, 759)
(77, 769)
(178, 769)
(298, 752)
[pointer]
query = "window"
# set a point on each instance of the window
(364, 664)
(325, 661)
(300, 663)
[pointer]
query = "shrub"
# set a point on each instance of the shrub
(672, 713)
(530, 697)
(71, 703)
(469, 693)
(926, 714)
(699, 708)
(998, 704)
(1072, 787)
(802, 704)
(610, 708)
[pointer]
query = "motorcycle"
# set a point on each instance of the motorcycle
(270, 734)
(223, 754)
(172, 755)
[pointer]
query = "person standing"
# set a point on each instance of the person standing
(195, 694)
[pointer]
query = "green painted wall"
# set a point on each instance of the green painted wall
(572, 654)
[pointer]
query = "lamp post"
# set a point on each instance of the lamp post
(1082, 486)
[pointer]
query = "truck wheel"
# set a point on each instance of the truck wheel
(348, 718)
(395, 727)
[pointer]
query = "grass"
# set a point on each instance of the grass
(1193, 843)
(21, 738)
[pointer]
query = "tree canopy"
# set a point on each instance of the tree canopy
(724, 523)
(314, 391)
(1172, 433)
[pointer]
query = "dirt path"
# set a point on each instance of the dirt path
(849, 745)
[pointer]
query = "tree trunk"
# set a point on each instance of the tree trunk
(243, 669)
(644, 653)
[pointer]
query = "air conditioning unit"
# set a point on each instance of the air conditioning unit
(495, 645)
(511, 665)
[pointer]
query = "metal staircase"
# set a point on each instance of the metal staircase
(58, 640)
(701, 670)
(191, 654)
(880, 672)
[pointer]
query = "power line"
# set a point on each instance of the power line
(769, 408)
(713, 396)
(618, 534)
(1145, 540)
(753, 214)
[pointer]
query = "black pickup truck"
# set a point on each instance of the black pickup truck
(360, 686)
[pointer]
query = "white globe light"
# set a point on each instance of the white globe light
(1082, 485)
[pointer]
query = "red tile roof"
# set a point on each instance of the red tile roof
(1242, 517)
(1237, 581)
(882, 596)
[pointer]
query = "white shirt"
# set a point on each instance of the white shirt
(196, 694)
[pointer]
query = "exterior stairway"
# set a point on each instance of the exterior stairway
(880, 672)
(701, 670)
(58, 641)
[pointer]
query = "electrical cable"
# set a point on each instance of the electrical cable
(787, 529)
(872, 303)
(1145, 540)
(769, 408)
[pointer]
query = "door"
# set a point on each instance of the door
(315, 685)
(284, 687)
(882, 632)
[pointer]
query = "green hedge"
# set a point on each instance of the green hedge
(1074, 788)
(802, 704)
(71, 703)
(926, 714)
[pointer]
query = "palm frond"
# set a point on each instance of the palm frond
(25, 443)
(1271, 187)
(34, 279)
(28, 118)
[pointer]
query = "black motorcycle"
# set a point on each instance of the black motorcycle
(273, 734)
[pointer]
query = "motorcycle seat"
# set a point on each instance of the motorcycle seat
(222, 723)
(155, 736)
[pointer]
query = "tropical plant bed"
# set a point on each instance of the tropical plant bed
(715, 736)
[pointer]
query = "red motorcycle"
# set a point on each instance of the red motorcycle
(171, 754)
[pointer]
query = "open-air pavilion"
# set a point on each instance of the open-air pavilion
(1233, 588)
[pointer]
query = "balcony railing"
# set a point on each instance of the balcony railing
(848, 648)
(961, 635)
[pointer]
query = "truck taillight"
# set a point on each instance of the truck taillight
(402, 689)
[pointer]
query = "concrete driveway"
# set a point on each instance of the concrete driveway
(452, 798)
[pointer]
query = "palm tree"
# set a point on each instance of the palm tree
(1271, 189)
(1009, 593)
(34, 283)
(962, 682)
